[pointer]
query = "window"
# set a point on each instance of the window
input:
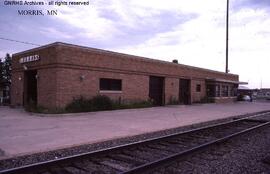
(210, 89)
(234, 90)
(110, 84)
(217, 91)
(225, 91)
(198, 88)
(213, 90)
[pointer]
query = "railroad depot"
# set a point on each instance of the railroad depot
(53, 75)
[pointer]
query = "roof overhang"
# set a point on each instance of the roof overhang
(226, 81)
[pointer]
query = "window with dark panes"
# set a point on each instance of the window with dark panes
(110, 84)
(210, 89)
(235, 90)
(232, 91)
(217, 91)
(225, 91)
(198, 88)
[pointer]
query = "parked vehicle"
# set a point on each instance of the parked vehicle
(245, 98)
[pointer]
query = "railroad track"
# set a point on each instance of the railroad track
(146, 155)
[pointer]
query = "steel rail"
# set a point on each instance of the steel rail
(45, 164)
(155, 164)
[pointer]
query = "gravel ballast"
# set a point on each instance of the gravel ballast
(248, 153)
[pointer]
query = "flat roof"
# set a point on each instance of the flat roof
(226, 81)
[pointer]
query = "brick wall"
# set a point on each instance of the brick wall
(171, 90)
(61, 67)
(16, 92)
(119, 62)
(70, 85)
(46, 87)
(46, 81)
(197, 96)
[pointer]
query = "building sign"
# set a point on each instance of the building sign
(31, 58)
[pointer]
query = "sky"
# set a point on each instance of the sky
(192, 31)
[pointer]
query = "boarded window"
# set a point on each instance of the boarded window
(110, 84)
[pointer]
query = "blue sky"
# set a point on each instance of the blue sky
(192, 31)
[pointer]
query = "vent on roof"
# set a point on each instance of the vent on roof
(175, 61)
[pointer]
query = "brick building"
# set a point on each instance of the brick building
(52, 75)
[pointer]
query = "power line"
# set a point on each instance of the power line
(12, 40)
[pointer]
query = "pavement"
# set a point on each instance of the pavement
(26, 133)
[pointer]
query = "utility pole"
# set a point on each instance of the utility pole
(227, 36)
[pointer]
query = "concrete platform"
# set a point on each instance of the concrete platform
(23, 133)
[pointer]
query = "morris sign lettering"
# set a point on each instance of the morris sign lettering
(31, 58)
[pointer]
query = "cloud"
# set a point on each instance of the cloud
(251, 4)
(201, 42)
(191, 31)
(54, 33)
(249, 40)
(124, 22)
(199, 38)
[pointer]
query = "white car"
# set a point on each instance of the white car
(246, 98)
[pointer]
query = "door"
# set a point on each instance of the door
(156, 90)
(30, 87)
(184, 91)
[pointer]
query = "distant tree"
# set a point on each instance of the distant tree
(1, 70)
(6, 69)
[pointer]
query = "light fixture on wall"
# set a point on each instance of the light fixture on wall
(37, 76)
(25, 67)
(82, 77)
(20, 78)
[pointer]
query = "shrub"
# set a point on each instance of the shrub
(207, 100)
(134, 104)
(79, 105)
(141, 104)
(101, 102)
(96, 103)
